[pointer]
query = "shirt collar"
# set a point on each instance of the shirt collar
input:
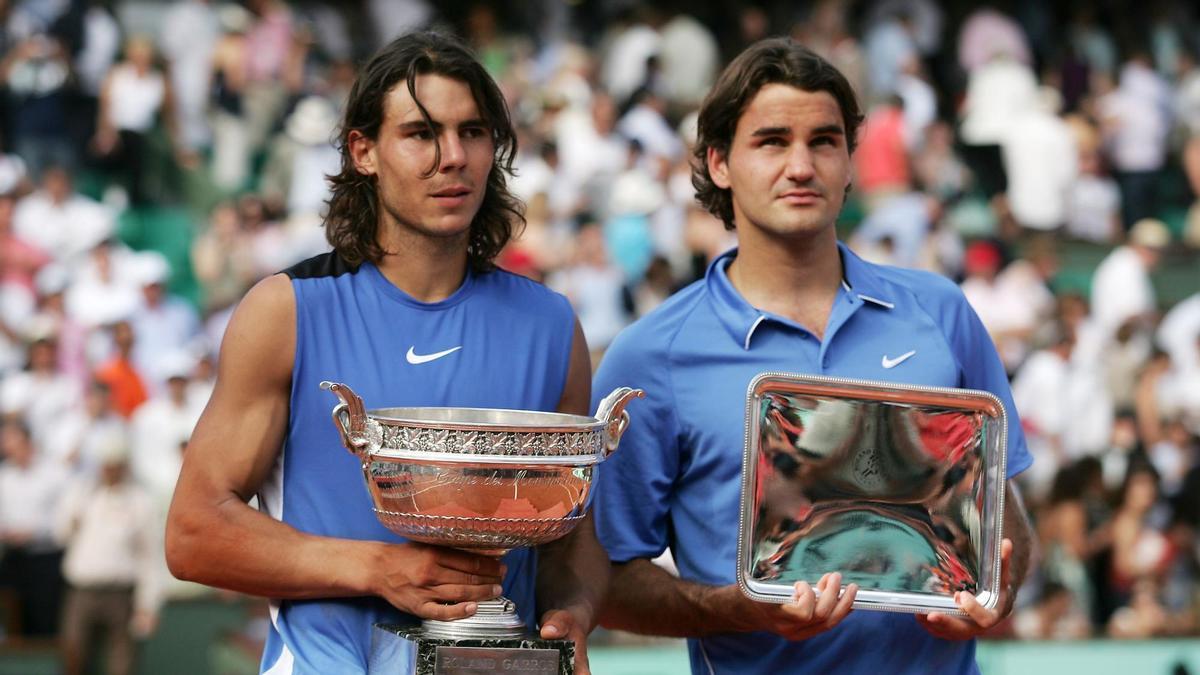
(859, 283)
(865, 284)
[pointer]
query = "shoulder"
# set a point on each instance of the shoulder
(649, 339)
(520, 293)
(255, 327)
(325, 265)
(259, 346)
(926, 289)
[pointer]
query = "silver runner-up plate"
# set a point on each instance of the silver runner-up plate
(898, 488)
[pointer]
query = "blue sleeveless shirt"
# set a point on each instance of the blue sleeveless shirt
(500, 341)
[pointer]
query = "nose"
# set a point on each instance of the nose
(454, 155)
(799, 164)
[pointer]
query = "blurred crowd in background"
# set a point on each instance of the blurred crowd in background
(161, 157)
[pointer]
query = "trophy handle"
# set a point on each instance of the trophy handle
(350, 417)
(611, 412)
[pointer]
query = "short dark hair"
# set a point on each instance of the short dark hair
(772, 61)
(352, 221)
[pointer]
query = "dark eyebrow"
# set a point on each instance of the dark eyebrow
(835, 129)
(420, 125)
(772, 131)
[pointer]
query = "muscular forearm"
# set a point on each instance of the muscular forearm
(573, 573)
(235, 547)
(1017, 528)
(644, 598)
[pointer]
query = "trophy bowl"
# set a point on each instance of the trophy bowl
(483, 480)
(480, 479)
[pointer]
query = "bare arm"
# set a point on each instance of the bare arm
(1018, 529)
(215, 538)
(106, 134)
(644, 598)
(573, 574)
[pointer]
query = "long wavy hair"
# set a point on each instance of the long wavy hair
(352, 220)
(773, 61)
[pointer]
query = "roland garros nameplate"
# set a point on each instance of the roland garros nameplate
(482, 661)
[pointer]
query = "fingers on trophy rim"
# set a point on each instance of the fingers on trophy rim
(443, 612)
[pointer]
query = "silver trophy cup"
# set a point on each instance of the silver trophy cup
(484, 480)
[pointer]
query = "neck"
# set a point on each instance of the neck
(794, 278)
(427, 268)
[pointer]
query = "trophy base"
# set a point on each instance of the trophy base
(405, 650)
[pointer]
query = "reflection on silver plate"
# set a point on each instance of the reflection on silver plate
(899, 488)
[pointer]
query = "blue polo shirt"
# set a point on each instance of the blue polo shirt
(675, 481)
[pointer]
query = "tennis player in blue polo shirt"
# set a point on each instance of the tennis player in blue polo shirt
(773, 162)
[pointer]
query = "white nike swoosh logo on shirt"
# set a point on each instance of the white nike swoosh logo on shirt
(415, 358)
(892, 363)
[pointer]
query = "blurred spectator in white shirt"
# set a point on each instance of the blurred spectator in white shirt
(190, 32)
(633, 43)
(1064, 409)
(1135, 123)
(646, 123)
(1179, 331)
(689, 56)
(594, 286)
(299, 159)
(1041, 162)
(101, 42)
(1004, 310)
(105, 288)
(998, 91)
(40, 393)
(134, 94)
(1094, 202)
(31, 489)
(590, 149)
(110, 535)
(160, 427)
(74, 439)
(1121, 287)
(59, 220)
(163, 323)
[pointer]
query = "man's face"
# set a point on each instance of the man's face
(788, 165)
(442, 204)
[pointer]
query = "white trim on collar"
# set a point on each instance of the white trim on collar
(750, 332)
(877, 301)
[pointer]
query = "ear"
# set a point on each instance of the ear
(718, 168)
(362, 151)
